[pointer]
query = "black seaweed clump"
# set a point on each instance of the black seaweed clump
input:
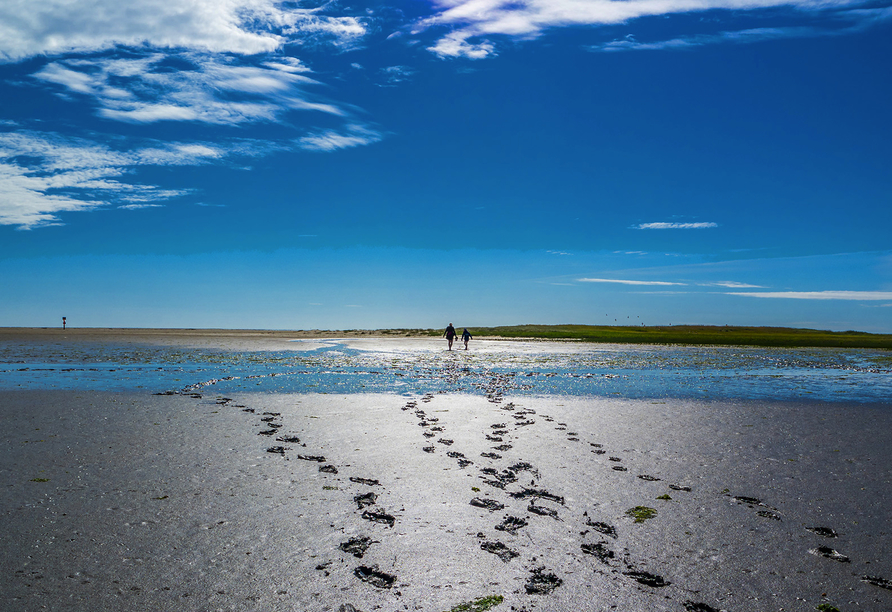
(691, 606)
(541, 582)
(487, 504)
(878, 582)
(379, 517)
(604, 528)
(825, 532)
(540, 493)
(647, 579)
(599, 550)
(364, 500)
(374, 577)
(366, 481)
(511, 524)
(500, 550)
(318, 458)
(356, 546)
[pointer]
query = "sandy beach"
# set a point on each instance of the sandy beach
(386, 502)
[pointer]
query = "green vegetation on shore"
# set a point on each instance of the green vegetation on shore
(689, 334)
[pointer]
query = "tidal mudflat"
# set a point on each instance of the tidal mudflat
(467, 492)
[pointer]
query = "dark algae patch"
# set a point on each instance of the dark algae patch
(826, 607)
(647, 579)
(877, 582)
(317, 458)
(538, 493)
(598, 550)
(604, 528)
(691, 606)
(824, 532)
(356, 546)
(511, 524)
(379, 517)
(542, 582)
(374, 577)
(500, 550)
(365, 481)
(641, 513)
(487, 504)
(479, 605)
(365, 500)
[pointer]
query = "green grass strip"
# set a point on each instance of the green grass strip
(479, 605)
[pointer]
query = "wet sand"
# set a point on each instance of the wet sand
(385, 502)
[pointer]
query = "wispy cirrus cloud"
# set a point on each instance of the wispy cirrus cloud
(474, 24)
(664, 225)
(857, 19)
(627, 282)
(732, 285)
(332, 140)
(820, 295)
(188, 87)
(42, 175)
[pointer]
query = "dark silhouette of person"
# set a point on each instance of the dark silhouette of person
(450, 335)
(465, 336)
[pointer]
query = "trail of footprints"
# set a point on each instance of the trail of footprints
(540, 503)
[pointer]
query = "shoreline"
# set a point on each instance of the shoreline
(681, 335)
(173, 502)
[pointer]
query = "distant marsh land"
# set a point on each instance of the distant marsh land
(730, 335)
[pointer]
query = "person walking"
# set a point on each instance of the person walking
(450, 335)
(465, 336)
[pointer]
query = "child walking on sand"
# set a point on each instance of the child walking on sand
(465, 336)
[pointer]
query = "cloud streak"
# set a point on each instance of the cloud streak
(820, 295)
(627, 282)
(189, 87)
(661, 225)
(858, 19)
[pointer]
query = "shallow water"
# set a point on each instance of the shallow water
(627, 371)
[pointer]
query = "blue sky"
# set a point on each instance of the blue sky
(267, 164)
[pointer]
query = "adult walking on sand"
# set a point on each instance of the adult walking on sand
(450, 335)
(465, 336)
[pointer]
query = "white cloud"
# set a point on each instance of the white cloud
(139, 206)
(626, 282)
(524, 19)
(188, 87)
(456, 45)
(42, 175)
(821, 295)
(331, 140)
(247, 27)
(702, 225)
(855, 20)
(741, 36)
(732, 285)
(393, 75)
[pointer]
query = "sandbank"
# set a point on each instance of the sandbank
(141, 502)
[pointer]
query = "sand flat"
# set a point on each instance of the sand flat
(140, 502)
